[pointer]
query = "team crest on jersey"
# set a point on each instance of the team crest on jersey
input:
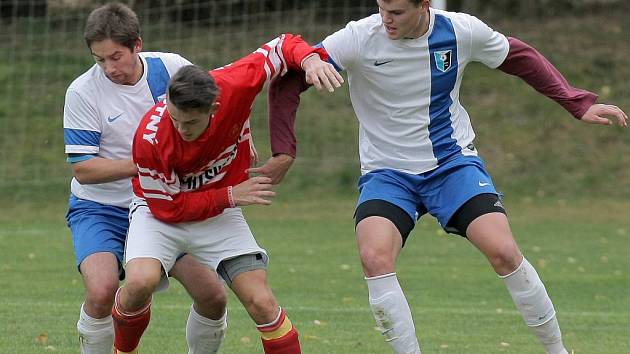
(443, 60)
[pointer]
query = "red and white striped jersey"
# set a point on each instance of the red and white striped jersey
(188, 181)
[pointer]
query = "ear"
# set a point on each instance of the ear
(138, 46)
(214, 108)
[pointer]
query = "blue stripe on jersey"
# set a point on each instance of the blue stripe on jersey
(81, 137)
(330, 59)
(157, 77)
(443, 55)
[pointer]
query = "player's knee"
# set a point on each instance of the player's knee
(101, 295)
(376, 261)
(100, 300)
(140, 288)
(262, 306)
(214, 300)
(505, 258)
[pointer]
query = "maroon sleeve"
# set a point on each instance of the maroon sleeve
(284, 98)
(531, 66)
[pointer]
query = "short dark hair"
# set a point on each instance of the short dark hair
(113, 21)
(415, 2)
(192, 89)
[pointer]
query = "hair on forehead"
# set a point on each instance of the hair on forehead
(192, 88)
(114, 21)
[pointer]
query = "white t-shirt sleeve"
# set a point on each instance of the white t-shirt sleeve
(487, 45)
(82, 126)
(183, 61)
(174, 62)
(343, 45)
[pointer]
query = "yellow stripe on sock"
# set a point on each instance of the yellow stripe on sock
(280, 332)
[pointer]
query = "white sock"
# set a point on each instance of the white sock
(204, 335)
(96, 335)
(392, 313)
(549, 335)
(531, 299)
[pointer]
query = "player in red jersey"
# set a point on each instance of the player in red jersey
(193, 153)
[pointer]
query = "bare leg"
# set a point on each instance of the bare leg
(379, 244)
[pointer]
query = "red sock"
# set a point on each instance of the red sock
(280, 337)
(129, 327)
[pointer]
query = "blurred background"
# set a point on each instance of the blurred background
(533, 148)
(566, 184)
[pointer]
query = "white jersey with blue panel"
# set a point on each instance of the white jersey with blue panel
(405, 92)
(101, 117)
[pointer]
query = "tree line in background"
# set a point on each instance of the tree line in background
(199, 11)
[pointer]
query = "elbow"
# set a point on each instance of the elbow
(83, 176)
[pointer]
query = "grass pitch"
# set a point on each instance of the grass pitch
(579, 248)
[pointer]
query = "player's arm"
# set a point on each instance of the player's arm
(530, 65)
(170, 205)
(89, 169)
(160, 186)
(284, 99)
(82, 139)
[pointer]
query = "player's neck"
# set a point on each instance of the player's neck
(422, 28)
(137, 75)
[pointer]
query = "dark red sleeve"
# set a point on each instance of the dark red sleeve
(284, 98)
(531, 66)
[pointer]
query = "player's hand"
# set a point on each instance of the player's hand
(275, 168)
(256, 190)
(321, 74)
(597, 113)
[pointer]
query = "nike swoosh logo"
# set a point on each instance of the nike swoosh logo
(112, 119)
(379, 63)
(483, 184)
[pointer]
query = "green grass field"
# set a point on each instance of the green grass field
(552, 168)
(579, 248)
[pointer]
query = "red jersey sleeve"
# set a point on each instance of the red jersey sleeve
(527, 63)
(158, 184)
(284, 99)
(271, 60)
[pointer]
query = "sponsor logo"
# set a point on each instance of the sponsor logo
(443, 60)
(498, 204)
(151, 128)
(483, 184)
(112, 119)
(379, 63)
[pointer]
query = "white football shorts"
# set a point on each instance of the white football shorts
(211, 241)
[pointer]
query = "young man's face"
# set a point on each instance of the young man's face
(403, 18)
(189, 124)
(120, 64)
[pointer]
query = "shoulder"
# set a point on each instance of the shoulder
(365, 27)
(172, 61)
(459, 20)
(86, 87)
(86, 81)
(166, 57)
(236, 76)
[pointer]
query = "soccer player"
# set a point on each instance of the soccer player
(405, 67)
(193, 152)
(102, 110)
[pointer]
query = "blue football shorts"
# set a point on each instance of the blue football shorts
(97, 228)
(439, 192)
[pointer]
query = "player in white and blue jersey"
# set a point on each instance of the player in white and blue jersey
(405, 67)
(102, 109)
